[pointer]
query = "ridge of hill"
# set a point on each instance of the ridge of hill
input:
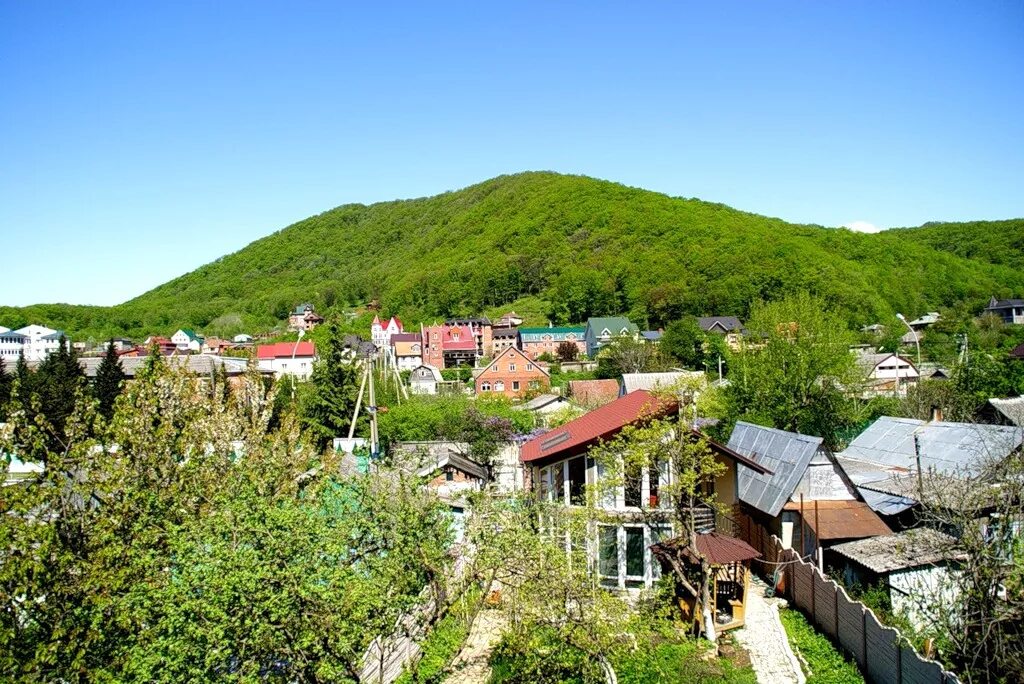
(563, 248)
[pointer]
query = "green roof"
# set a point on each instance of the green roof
(553, 331)
(613, 323)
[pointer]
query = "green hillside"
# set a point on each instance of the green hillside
(564, 247)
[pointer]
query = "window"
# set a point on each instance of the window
(577, 480)
(634, 555)
(511, 368)
(634, 483)
(608, 555)
(485, 387)
(499, 386)
(529, 366)
(449, 475)
(515, 385)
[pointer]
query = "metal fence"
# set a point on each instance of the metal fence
(881, 653)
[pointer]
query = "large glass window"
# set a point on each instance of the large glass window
(608, 552)
(635, 553)
(577, 480)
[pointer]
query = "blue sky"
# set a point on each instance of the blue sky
(140, 141)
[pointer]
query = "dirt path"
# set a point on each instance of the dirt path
(471, 665)
(765, 639)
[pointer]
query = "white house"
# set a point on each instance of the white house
(287, 358)
(242, 339)
(187, 340)
(12, 344)
(380, 333)
(888, 373)
(40, 341)
(425, 379)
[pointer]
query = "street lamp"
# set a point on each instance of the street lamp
(917, 340)
(294, 350)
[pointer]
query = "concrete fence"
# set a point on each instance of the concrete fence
(880, 652)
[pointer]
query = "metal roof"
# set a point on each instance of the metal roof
(949, 448)
(847, 519)
(726, 323)
(1012, 408)
(718, 549)
(632, 382)
(785, 454)
(201, 364)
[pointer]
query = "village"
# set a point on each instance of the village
(777, 512)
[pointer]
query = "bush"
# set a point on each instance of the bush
(443, 643)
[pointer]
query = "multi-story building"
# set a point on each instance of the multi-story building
(380, 333)
(408, 350)
(287, 358)
(537, 341)
(512, 374)
(304, 317)
(504, 338)
(12, 345)
(601, 331)
(40, 341)
(1010, 310)
(186, 339)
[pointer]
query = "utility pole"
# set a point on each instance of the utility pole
(372, 410)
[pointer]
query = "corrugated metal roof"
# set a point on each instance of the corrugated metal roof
(785, 454)
(632, 382)
(718, 549)
(847, 519)
(1012, 408)
(949, 448)
(201, 364)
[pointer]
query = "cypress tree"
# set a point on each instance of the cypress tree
(57, 381)
(107, 386)
(6, 380)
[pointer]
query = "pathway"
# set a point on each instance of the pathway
(472, 666)
(765, 639)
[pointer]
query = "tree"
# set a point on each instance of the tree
(327, 408)
(107, 385)
(567, 351)
(6, 383)
(626, 354)
(683, 341)
(56, 383)
(183, 541)
(799, 377)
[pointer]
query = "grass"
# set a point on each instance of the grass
(822, 662)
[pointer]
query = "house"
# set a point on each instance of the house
(728, 326)
(482, 331)
(543, 405)
(593, 393)
(504, 338)
(459, 346)
(884, 461)
(509, 320)
(631, 382)
(407, 349)
(887, 373)
(202, 365)
(447, 465)
(457, 342)
(513, 374)
(876, 329)
(163, 345)
(120, 344)
(215, 345)
(1004, 411)
(425, 379)
(601, 331)
(806, 500)
(911, 565)
(560, 471)
(12, 345)
(537, 341)
(925, 321)
(651, 336)
(242, 339)
(380, 333)
(1011, 311)
(304, 317)
(287, 358)
(38, 341)
(186, 339)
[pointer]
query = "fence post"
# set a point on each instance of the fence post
(864, 634)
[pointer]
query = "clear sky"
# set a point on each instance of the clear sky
(140, 140)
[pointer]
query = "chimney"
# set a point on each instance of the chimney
(936, 414)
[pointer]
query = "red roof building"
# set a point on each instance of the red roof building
(285, 350)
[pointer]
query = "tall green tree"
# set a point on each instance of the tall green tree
(6, 384)
(109, 377)
(683, 341)
(798, 373)
(328, 404)
(58, 381)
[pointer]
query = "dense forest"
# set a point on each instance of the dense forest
(563, 248)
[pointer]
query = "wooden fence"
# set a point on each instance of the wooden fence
(880, 652)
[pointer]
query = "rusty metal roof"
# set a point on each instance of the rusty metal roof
(718, 549)
(841, 519)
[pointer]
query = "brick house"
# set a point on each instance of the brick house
(513, 374)
(537, 341)
(304, 317)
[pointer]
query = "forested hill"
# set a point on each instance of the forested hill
(563, 247)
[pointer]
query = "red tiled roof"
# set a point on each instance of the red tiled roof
(593, 392)
(283, 350)
(601, 423)
(405, 337)
(845, 519)
(466, 340)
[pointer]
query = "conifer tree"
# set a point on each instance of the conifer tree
(56, 382)
(109, 376)
(5, 390)
(327, 409)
